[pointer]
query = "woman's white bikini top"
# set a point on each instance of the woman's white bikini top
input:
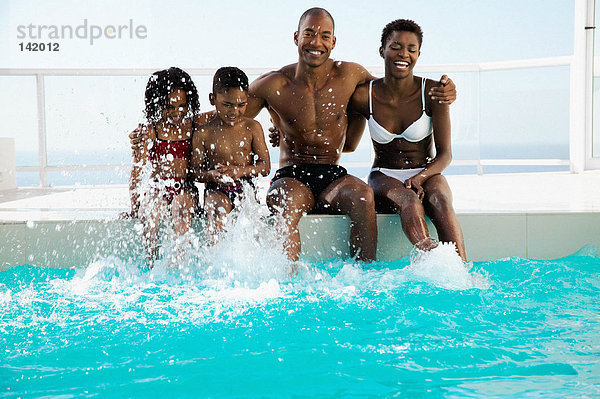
(417, 131)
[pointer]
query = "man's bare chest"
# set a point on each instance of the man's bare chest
(305, 110)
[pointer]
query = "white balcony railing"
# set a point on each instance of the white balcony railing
(41, 74)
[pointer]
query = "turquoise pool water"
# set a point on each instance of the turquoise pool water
(239, 326)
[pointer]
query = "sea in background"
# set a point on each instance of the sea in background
(498, 115)
(121, 159)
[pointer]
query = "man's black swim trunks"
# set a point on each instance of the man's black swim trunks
(316, 176)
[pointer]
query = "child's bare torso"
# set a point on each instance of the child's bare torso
(227, 145)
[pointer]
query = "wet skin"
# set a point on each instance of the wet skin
(396, 105)
(309, 101)
(173, 126)
(226, 150)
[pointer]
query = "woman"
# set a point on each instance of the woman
(404, 125)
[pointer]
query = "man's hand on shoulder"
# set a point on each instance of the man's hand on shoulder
(445, 92)
(274, 136)
(138, 137)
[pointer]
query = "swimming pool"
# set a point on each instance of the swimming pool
(234, 323)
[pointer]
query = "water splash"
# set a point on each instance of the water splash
(248, 252)
(247, 267)
(443, 268)
(588, 251)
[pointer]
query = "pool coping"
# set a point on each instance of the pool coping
(544, 216)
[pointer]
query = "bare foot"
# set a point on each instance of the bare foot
(294, 269)
(427, 244)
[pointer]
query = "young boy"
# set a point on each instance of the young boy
(229, 150)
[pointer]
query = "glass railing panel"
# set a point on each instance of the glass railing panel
(525, 113)
(18, 113)
(596, 85)
(596, 119)
(88, 118)
(88, 178)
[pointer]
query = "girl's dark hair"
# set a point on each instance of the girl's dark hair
(405, 25)
(164, 82)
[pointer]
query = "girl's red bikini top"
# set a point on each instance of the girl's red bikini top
(177, 149)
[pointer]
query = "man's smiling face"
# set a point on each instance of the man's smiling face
(315, 39)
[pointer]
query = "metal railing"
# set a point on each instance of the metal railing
(40, 74)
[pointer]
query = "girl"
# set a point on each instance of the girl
(171, 105)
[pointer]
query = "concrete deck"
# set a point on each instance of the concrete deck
(541, 215)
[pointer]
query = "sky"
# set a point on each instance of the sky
(258, 33)
(85, 113)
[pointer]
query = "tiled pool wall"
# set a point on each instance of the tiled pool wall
(488, 236)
